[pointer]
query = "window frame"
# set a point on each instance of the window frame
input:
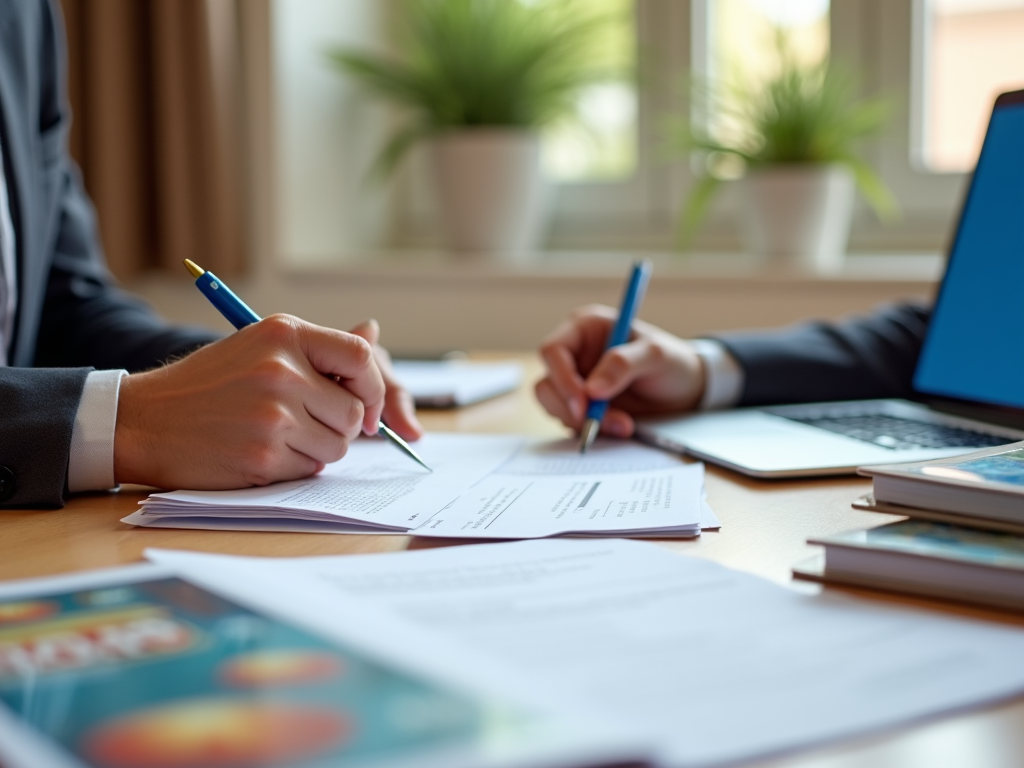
(884, 39)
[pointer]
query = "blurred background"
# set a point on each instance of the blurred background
(221, 130)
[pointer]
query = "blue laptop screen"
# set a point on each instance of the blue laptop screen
(975, 344)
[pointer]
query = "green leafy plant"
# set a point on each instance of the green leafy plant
(482, 63)
(804, 114)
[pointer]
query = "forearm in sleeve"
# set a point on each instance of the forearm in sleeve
(84, 320)
(37, 416)
(866, 357)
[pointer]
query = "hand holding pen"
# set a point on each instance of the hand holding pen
(256, 407)
(238, 313)
(636, 289)
(653, 372)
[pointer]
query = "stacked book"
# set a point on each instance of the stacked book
(964, 540)
(983, 489)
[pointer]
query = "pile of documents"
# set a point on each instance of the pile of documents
(502, 650)
(482, 486)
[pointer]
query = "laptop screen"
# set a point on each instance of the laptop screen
(974, 349)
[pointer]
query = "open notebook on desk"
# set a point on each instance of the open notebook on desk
(482, 486)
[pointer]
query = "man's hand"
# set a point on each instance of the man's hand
(277, 400)
(654, 372)
(399, 410)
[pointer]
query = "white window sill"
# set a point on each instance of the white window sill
(913, 271)
(428, 303)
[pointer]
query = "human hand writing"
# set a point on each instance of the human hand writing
(278, 400)
(399, 409)
(654, 372)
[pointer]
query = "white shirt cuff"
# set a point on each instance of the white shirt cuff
(724, 379)
(91, 465)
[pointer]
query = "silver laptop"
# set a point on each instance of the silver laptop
(969, 380)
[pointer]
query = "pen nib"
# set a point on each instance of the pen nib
(589, 433)
(388, 434)
(194, 269)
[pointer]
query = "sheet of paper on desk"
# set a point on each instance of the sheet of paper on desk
(450, 383)
(509, 507)
(722, 665)
(530, 489)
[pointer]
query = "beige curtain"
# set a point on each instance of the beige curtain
(155, 87)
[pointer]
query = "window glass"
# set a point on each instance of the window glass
(973, 50)
(742, 47)
(599, 142)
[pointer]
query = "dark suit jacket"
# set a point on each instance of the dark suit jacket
(867, 357)
(71, 318)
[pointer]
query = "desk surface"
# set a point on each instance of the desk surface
(764, 527)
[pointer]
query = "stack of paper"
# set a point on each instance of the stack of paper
(493, 487)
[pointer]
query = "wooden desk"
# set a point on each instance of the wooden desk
(764, 527)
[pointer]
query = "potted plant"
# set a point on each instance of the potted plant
(478, 79)
(792, 140)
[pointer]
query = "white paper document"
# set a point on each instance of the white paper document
(482, 486)
(451, 383)
(529, 506)
(720, 666)
(375, 484)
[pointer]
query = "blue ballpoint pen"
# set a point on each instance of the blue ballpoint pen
(239, 315)
(631, 302)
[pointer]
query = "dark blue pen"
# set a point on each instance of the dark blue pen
(631, 302)
(239, 315)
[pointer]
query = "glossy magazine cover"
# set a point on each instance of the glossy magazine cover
(162, 674)
(1005, 467)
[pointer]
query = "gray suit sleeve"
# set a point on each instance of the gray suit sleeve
(863, 358)
(37, 414)
(86, 320)
(83, 320)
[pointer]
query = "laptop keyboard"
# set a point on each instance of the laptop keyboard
(900, 434)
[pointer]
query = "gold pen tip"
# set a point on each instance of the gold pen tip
(194, 269)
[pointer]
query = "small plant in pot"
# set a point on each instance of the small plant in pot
(793, 140)
(478, 80)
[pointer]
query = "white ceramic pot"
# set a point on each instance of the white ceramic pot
(491, 193)
(798, 216)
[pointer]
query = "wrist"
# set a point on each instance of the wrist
(129, 435)
(697, 377)
(723, 377)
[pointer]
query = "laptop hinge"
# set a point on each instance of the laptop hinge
(1008, 417)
